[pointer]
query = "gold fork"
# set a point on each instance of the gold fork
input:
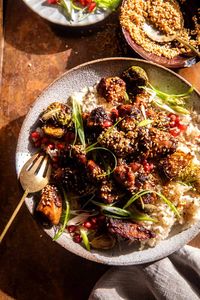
(34, 176)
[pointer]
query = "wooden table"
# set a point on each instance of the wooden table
(34, 54)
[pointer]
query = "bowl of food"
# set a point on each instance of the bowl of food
(73, 13)
(165, 32)
(123, 138)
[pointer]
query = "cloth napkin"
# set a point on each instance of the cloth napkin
(176, 277)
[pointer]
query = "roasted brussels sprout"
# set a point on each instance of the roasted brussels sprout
(134, 77)
(53, 131)
(58, 113)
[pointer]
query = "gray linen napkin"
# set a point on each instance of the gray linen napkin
(176, 277)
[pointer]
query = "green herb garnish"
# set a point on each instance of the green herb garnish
(144, 123)
(78, 122)
(66, 218)
(85, 238)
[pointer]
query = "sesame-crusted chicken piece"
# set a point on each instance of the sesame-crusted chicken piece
(113, 89)
(129, 230)
(172, 165)
(95, 171)
(156, 143)
(73, 179)
(50, 204)
(98, 118)
(159, 118)
(125, 176)
(78, 152)
(108, 191)
(117, 142)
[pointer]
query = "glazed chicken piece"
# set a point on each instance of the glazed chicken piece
(156, 143)
(95, 171)
(78, 152)
(117, 142)
(50, 205)
(113, 89)
(129, 230)
(98, 118)
(174, 164)
(108, 191)
(125, 176)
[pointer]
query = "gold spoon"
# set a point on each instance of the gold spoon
(34, 176)
(157, 36)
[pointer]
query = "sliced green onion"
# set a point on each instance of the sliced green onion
(85, 238)
(144, 123)
(115, 159)
(144, 192)
(78, 121)
(66, 218)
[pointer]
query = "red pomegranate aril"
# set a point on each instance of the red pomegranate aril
(52, 1)
(175, 131)
(82, 2)
(177, 121)
(91, 6)
(107, 124)
(182, 127)
(60, 146)
(172, 117)
(77, 238)
(71, 228)
(87, 224)
(51, 146)
(172, 124)
(35, 135)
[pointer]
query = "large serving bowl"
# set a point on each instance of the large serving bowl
(75, 80)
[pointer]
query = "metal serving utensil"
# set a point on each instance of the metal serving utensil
(156, 35)
(34, 176)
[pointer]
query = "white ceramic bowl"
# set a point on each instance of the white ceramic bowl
(76, 79)
(54, 14)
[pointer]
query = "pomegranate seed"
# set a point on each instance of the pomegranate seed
(35, 135)
(175, 131)
(91, 6)
(87, 224)
(177, 121)
(172, 124)
(60, 146)
(172, 117)
(148, 167)
(107, 124)
(77, 238)
(82, 2)
(71, 228)
(52, 1)
(182, 127)
(51, 146)
(88, 2)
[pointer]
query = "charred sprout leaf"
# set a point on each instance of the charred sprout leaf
(113, 155)
(65, 218)
(108, 4)
(144, 192)
(103, 241)
(78, 121)
(57, 112)
(145, 123)
(85, 238)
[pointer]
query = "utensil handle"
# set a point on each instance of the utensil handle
(188, 45)
(14, 215)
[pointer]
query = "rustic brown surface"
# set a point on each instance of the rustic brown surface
(35, 53)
